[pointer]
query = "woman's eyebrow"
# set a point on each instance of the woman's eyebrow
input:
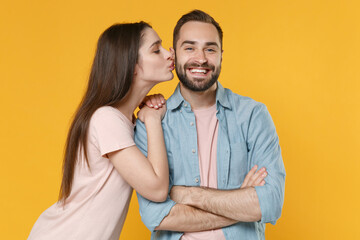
(156, 43)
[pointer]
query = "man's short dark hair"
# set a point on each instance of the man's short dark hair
(198, 16)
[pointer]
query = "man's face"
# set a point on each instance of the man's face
(198, 55)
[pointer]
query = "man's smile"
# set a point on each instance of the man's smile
(198, 72)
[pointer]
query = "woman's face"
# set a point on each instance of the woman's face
(155, 64)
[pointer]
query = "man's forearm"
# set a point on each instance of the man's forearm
(183, 218)
(241, 204)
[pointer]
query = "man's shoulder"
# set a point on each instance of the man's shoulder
(240, 102)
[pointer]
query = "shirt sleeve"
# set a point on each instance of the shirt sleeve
(152, 213)
(112, 132)
(264, 150)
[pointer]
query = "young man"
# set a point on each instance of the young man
(213, 138)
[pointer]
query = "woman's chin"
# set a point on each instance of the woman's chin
(169, 78)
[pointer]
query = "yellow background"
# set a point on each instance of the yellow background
(299, 57)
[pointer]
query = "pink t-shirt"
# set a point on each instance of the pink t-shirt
(207, 133)
(99, 199)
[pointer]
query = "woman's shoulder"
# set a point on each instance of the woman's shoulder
(108, 115)
(106, 110)
(109, 128)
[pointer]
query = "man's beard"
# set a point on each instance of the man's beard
(191, 85)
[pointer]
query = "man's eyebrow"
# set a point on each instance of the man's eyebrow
(194, 42)
(187, 42)
(156, 43)
(212, 44)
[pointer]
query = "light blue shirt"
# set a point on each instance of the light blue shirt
(246, 136)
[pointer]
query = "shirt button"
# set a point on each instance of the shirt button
(196, 180)
(181, 111)
(191, 124)
(185, 105)
(193, 151)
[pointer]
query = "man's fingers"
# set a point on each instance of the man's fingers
(248, 176)
(260, 179)
(255, 176)
(262, 183)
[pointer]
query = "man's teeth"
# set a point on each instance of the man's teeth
(198, 71)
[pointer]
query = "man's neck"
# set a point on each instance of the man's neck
(199, 100)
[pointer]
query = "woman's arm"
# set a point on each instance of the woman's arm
(148, 176)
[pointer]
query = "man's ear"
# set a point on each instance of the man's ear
(172, 51)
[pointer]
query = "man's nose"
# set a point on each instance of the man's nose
(200, 57)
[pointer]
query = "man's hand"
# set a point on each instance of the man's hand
(254, 178)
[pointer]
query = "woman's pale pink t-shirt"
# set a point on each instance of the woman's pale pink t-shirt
(99, 199)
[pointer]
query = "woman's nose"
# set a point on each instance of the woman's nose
(168, 55)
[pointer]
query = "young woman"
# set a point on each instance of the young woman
(102, 163)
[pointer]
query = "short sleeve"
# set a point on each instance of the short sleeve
(112, 130)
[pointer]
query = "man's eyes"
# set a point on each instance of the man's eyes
(211, 50)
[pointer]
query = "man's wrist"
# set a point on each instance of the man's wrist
(193, 196)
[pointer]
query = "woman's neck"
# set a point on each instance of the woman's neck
(133, 98)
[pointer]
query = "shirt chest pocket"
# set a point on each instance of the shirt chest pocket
(238, 165)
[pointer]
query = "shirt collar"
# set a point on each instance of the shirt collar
(176, 98)
(221, 96)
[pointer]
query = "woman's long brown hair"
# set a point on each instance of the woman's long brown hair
(110, 79)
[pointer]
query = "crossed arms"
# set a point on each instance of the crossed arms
(189, 209)
(200, 209)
